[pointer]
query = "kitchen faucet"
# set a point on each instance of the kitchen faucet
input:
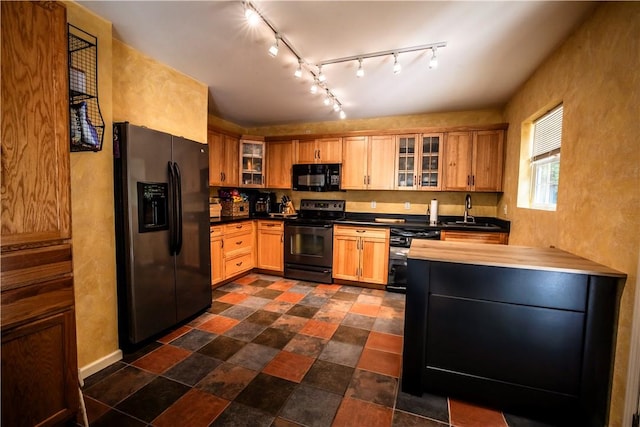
(467, 206)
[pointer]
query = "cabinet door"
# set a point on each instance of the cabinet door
(217, 260)
(307, 152)
(430, 166)
(375, 260)
(346, 257)
(329, 150)
(216, 157)
(458, 151)
(35, 124)
(488, 160)
(279, 160)
(252, 164)
(39, 376)
(381, 168)
(230, 167)
(406, 151)
(355, 165)
(271, 250)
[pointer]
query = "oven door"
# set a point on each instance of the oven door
(308, 244)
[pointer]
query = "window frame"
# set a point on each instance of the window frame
(544, 156)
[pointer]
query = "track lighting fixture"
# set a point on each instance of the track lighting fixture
(396, 65)
(321, 77)
(327, 98)
(343, 115)
(433, 62)
(273, 50)
(360, 71)
(298, 72)
(251, 15)
(314, 86)
(336, 106)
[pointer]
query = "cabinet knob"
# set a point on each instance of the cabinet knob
(239, 242)
(239, 263)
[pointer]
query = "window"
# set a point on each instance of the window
(545, 160)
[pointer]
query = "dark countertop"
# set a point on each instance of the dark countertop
(484, 224)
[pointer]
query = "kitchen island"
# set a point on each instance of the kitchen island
(529, 331)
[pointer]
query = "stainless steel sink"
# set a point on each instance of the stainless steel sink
(476, 225)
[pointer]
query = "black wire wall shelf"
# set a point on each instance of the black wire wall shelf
(86, 123)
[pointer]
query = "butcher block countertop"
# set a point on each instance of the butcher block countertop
(550, 259)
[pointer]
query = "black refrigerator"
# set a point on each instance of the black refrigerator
(161, 186)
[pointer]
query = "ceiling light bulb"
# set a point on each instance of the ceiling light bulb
(327, 98)
(298, 72)
(251, 15)
(321, 76)
(314, 87)
(336, 107)
(433, 62)
(273, 50)
(396, 65)
(360, 71)
(343, 115)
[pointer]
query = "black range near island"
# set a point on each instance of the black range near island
(529, 331)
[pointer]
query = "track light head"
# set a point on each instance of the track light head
(298, 72)
(360, 71)
(251, 15)
(433, 62)
(321, 77)
(273, 50)
(397, 68)
(343, 115)
(314, 87)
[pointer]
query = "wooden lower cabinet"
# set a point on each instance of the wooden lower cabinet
(232, 250)
(270, 254)
(474, 237)
(361, 254)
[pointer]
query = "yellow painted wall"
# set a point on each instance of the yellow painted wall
(148, 93)
(595, 75)
(94, 264)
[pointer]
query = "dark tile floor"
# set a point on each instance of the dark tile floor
(277, 352)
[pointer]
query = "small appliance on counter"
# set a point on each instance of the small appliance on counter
(265, 204)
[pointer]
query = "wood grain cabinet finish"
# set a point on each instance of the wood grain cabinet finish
(366, 162)
(323, 150)
(224, 152)
(473, 161)
(217, 256)
(474, 237)
(39, 357)
(270, 254)
(279, 159)
(361, 254)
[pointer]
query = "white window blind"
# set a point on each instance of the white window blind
(547, 135)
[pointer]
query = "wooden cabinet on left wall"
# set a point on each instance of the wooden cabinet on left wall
(39, 356)
(223, 159)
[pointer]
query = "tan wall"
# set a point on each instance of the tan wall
(94, 264)
(595, 75)
(148, 93)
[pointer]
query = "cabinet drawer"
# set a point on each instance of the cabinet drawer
(237, 243)
(238, 264)
(369, 232)
(216, 231)
(28, 302)
(238, 227)
(474, 237)
(27, 266)
(271, 225)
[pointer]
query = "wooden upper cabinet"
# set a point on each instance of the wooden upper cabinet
(367, 164)
(278, 162)
(223, 159)
(488, 155)
(324, 150)
(35, 184)
(252, 156)
(474, 161)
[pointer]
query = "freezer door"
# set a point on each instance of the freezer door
(193, 260)
(150, 287)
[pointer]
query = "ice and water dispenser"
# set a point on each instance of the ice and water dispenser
(153, 206)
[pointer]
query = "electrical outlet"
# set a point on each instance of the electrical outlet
(373, 204)
(407, 205)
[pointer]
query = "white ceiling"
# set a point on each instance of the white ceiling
(492, 48)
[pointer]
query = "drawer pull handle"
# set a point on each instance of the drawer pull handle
(239, 263)
(361, 231)
(239, 242)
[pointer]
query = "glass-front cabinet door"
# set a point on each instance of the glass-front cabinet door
(251, 163)
(430, 162)
(405, 161)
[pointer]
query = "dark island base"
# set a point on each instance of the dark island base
(528, 342)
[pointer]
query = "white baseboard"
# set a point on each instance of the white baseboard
(98, 365)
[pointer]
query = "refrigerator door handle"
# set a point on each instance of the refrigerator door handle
(178, 181)
(172, 211)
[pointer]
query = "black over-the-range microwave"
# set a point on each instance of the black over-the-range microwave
(316, 177)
